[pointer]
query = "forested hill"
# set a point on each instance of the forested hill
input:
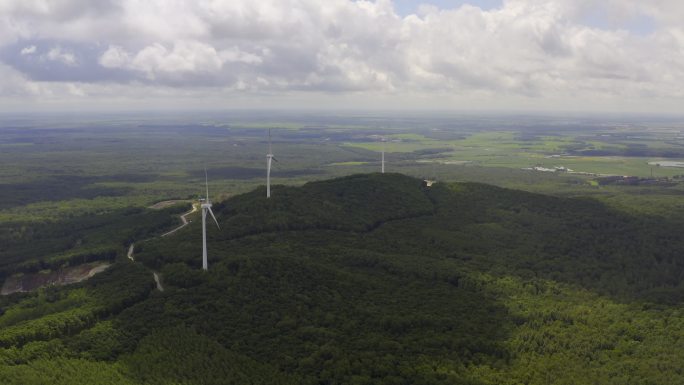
(355, 203)
(578, 241)
(371, 279)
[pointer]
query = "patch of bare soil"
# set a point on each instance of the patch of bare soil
(165, 204)
(65, 276)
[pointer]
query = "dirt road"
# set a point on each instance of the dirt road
(184, 219)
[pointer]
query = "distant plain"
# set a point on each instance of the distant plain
(53, 165)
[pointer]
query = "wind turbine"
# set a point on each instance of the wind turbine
(269, 160)
(383, 154)
(206, 207)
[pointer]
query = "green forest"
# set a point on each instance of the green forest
(364, 279)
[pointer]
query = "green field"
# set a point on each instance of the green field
(507, 149)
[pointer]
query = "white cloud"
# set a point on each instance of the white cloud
(183, 58)
(235, 55)
(13, 84)
(114, 57)
(186, 56)
(536, 51)
(28, 50)
(58, 55)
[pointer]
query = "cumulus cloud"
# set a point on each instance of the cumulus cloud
(14, 84)
(28, 50)
(56, 54)
(184, 56)
(537, 50)
(114, 57)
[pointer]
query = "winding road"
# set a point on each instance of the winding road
(130, 252)
(184, 219)
(158, 281)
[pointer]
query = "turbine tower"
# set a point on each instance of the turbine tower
(269, 160)
(206, 207)
(383, 155)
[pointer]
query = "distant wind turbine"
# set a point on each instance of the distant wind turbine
(383, 155)
(206, 207)
(269, 160)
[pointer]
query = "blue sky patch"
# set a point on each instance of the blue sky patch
(407, 7)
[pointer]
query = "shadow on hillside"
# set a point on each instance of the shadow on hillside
(501, 231)
(316, 305)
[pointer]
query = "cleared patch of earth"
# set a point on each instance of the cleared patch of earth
(450, 162)
(664, 163)
(165, 204)
(68, 275)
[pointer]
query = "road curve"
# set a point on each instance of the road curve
(158, 281)
(184, 219)
(130, 252)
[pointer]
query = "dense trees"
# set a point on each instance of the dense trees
(355, 203)
(50, 245)
(44, 316)
(373, 280)
(578, 241)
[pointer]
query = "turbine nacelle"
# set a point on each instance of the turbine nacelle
(206, 207)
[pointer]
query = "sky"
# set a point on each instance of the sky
(454, 55)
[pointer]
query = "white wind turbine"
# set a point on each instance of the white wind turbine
(269, 160)
(206, 207)
(383, 154)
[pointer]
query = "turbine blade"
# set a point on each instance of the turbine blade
(212, 215)
(206, 182)
(274, 158)
(270, 150)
